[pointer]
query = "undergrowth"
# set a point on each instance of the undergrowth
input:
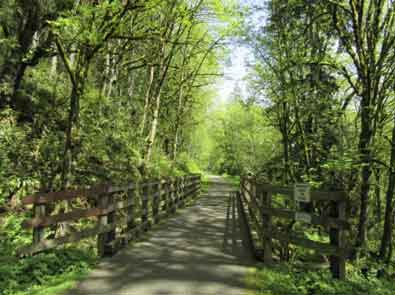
(289, 280)
(52, 272)
(45, 273)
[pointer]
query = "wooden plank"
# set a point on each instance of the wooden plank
(155, 202)
(172, 197)
(119, 205)
(148, 183)
(316, 195)
(267, 228)
(75, 215)
(44, 198)
(177, 193)
(130, 210)
(182, 192)
(251, 205)
(102, 238)
(244, 219)
(39, 232)
(124, 188)
(164, 196)
(254, 218)
(337, 238)
(144, 205)
(246, 189)
(71, 238)
(191, 191)
(323, 248)
(168, 191)
(131, 234)
(315, 219)
(69, 216)
(111, 235)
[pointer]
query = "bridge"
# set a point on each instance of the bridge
(166, 236)
(202, 248)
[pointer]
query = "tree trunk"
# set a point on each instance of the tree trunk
(54, 65)
(14, 68)
(365, 140)
(154, 126)
(178, 120)
(377, 193)
(389, 204)
(285, 141)
(68, 147)
(147, 99)
(106, 75)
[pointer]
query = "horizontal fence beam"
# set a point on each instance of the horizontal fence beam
(258, 199)
(70, 238)
(44, 198)
(92, 192)
(320, 247)
(316, 195)
(315, 219)
(146, 201)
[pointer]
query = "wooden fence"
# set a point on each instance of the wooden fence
(115, 214)
(257, 198)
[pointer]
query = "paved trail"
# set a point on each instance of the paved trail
(199, 251)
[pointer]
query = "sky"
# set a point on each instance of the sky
(235, 68)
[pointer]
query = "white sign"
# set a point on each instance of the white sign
(304, 217)
(302, 192)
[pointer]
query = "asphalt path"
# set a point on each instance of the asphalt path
(201, 250)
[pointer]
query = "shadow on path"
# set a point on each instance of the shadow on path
(200, 251)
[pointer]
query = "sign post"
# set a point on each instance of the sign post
(303, 217)
(302, 192)
(302, 195)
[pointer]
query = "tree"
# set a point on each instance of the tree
(366, 31)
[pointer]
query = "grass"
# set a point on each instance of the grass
(51, 272)
(288, 280)
(58, 284)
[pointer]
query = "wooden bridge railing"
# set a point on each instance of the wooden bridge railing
(257, 198)
(115, 214)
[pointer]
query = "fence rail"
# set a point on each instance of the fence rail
(256, 201)
(119, 213)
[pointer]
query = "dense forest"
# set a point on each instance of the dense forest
(119, 90)
(94, 92)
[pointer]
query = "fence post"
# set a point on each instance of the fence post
(104, 246)
(177, 193)
(131, 224)
(39, 232)
(242, 185)
(144, 204)
(336, 235)
(163, 195)
(267, 228)
(111, 248)
(171, 205)
(156, 194)
(169, 181)
(183, 191)
(199, 186)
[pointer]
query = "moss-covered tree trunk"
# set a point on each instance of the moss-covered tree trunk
(386, 239)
